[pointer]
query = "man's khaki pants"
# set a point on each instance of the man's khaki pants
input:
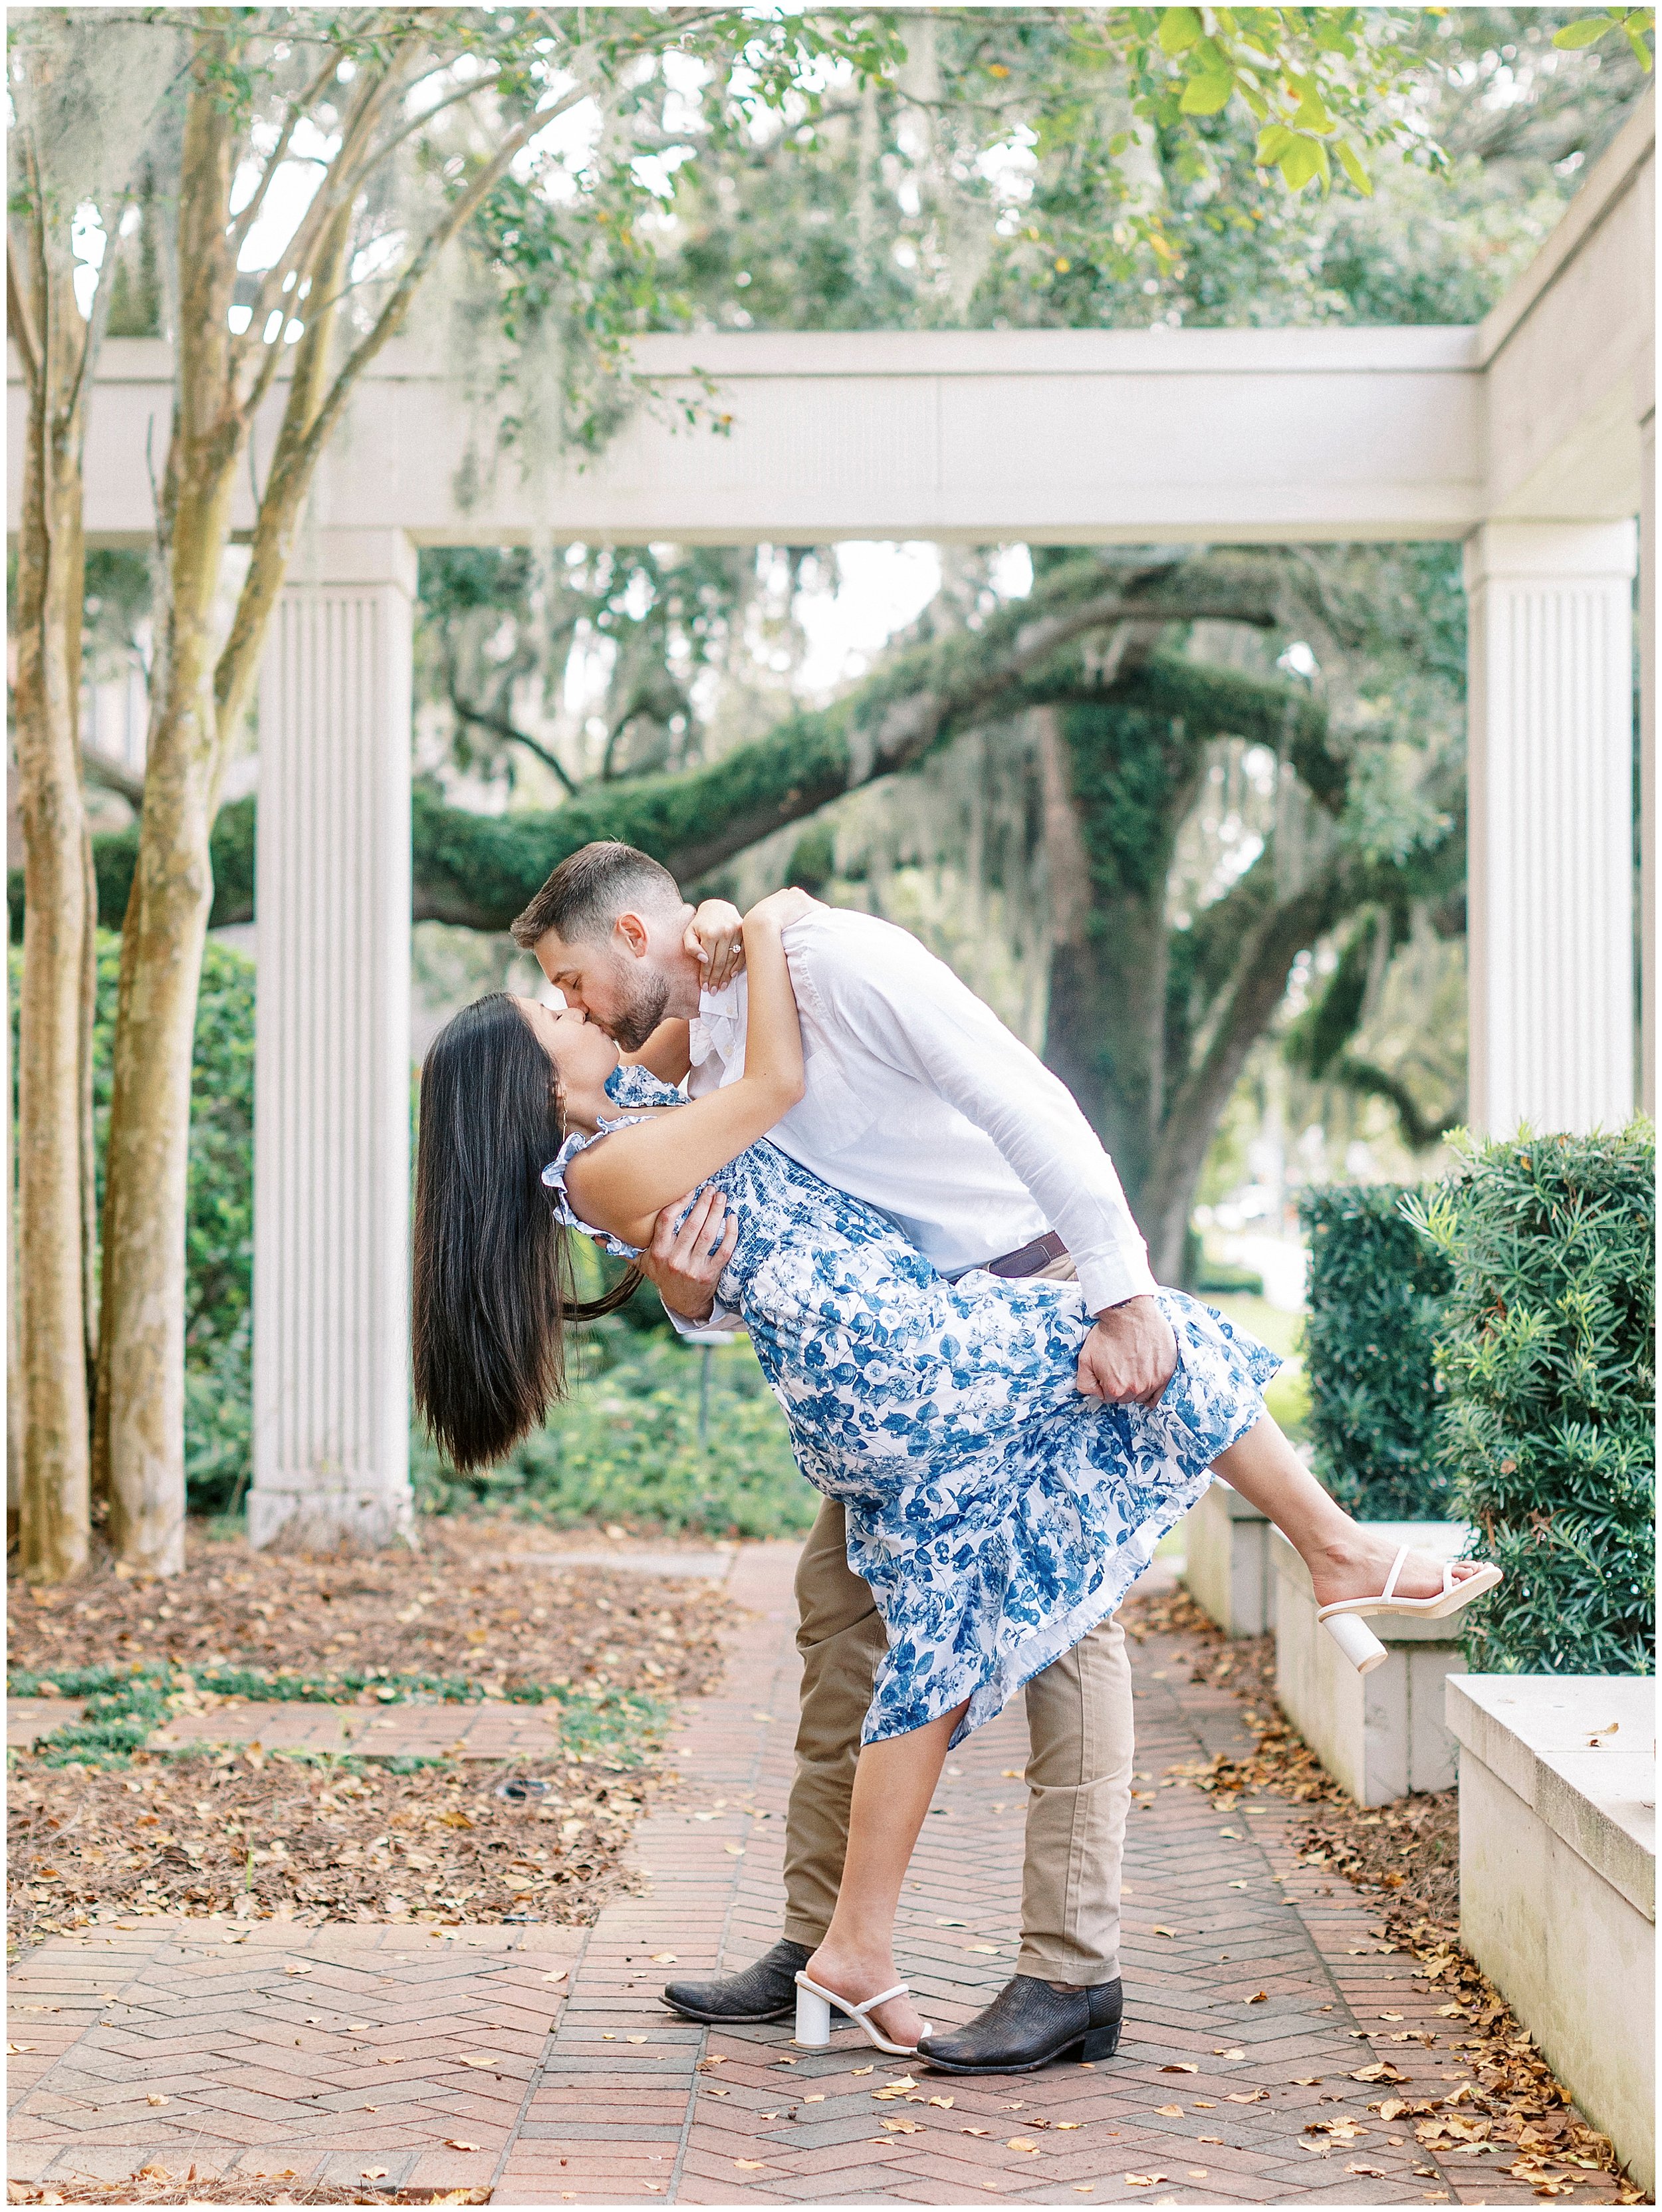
(1079, 1774)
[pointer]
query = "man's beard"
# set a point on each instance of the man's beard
(642, 998)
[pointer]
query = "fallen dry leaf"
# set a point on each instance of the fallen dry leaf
(975, 2131)
(1171, 2112)
(1021, 2142)
(1263, 1997)
(749, 2165)
(491, 2062)
(1179, 2066)
(455, 2142)
(1164, 1931)
(1247, 2096)
(945, 2103)
(154, 2099)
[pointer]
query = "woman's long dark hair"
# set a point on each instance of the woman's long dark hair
(492, 1291)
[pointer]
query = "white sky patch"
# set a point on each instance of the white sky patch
(293, 190)
(881, 588)
(657, 171)
(1298, 659)
(1010, 166)
(567, 147)
(87, 242)
(685, 78)
(378, 256)
(1011, 572)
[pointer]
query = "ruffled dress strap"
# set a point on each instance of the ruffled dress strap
(631, 1084)
(553, 1178)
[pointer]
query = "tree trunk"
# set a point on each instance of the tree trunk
(1269, 945)
(1118, 784)
(51, 1045)
(14, 1344)
(141, 1429)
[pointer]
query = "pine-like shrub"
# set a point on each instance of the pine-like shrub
(1547, 1427)
(1376, 1296)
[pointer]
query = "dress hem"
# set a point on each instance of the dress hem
(1047, 1645)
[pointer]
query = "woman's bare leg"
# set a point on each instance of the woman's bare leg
(894, 1783)
(1346, 1558)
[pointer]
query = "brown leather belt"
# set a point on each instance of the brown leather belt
(1031, 1257)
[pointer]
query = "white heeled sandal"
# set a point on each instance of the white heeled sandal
(1346, 1624)
(814, 2006)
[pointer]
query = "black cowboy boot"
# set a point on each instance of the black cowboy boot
(767, 1990)
(1026, 2026)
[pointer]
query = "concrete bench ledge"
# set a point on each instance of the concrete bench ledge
(1549, 1739)
(1226, 1562)
(1558, 1879)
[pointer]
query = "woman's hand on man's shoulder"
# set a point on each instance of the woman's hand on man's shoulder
(782, 907)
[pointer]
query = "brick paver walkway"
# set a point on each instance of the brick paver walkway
(538, 2060)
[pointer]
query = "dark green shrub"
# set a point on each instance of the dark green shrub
(626, 1445)
(1546, 1353)
(1376, 1294)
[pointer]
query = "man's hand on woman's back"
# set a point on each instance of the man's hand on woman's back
(685, 1258)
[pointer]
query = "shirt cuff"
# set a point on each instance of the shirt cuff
(721, 1318)
(1108, 1278)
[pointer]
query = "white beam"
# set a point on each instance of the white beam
(332, 1121)
(1550, 871)
(1569, 354)
(980, 436)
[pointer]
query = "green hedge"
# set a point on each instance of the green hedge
(1548, 1427)
(626, 1445)
(1376, 1296)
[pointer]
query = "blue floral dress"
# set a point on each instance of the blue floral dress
(996, 1514)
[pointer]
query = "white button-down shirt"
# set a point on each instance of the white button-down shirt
(919, 1101)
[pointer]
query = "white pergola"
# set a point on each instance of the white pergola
(1529, 437)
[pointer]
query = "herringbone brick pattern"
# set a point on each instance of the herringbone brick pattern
(1255, 1993)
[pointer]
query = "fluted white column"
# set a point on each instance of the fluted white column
(332, 1129)
(1550, 878)
(1647, 909)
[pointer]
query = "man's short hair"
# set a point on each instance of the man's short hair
(590, 889)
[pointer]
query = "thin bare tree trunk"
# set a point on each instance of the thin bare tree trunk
(140, 1430)
(51, 337)
(14, 1348)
